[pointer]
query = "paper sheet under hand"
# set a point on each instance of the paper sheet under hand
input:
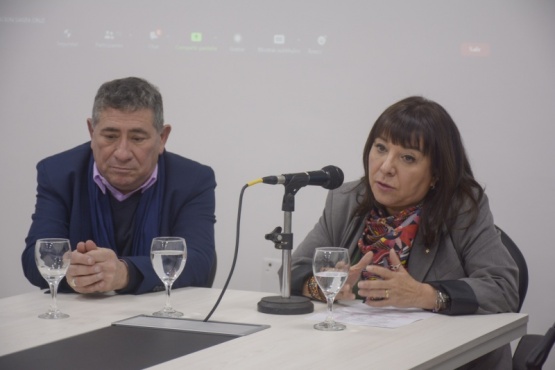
(360, 314)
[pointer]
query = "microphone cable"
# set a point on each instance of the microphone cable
(236, 253)
(337, 181)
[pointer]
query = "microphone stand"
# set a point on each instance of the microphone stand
(286, 304)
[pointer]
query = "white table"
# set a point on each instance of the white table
(441, 342)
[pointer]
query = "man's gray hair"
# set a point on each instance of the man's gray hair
(129, 95)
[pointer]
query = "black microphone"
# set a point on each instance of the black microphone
(329, 177)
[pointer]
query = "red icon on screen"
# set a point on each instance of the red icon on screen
(475, 49)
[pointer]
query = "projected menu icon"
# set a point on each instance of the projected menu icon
(67, 38)
(110, 38)
(279, 39)
(196, 36)
(155, 34)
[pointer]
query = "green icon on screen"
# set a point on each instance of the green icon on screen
(196, 36)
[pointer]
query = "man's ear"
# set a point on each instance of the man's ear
(164, 135)
(90, 126)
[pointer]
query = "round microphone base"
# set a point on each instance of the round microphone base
(278, 305)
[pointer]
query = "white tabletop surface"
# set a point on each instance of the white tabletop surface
(290, 342)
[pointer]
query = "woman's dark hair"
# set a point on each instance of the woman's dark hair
(416, 122)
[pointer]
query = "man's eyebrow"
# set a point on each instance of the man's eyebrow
(133, 130)
(109, 129)
(138, 131)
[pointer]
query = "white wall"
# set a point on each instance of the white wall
(254, 108)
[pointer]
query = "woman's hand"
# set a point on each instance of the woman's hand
(396, 287)
(346, 293)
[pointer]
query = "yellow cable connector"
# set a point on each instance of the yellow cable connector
(254, 182)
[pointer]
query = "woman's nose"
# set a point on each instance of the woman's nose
(388, 165)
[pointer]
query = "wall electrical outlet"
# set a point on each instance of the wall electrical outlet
(270, 278)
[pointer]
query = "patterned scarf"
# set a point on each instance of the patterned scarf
(384, 232)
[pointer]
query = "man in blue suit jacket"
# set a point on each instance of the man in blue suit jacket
(111, 196)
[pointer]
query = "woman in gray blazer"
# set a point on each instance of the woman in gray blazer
(418, 226)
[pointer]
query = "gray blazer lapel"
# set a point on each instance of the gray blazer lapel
(353, 234)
